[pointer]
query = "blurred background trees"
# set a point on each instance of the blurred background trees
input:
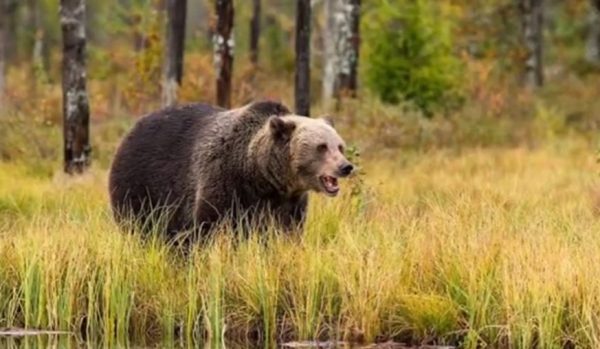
(461, 59)
(413, 50)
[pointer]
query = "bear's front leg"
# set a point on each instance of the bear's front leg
(292, 214)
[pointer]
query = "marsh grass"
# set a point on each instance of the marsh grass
(495, 247)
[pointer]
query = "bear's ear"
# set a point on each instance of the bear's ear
(281, 128)
(328, 120)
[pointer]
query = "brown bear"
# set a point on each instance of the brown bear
(199, 164)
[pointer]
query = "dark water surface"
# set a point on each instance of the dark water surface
(32, 340)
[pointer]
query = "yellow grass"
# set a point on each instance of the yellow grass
(492, 246)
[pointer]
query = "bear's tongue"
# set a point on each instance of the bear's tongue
(330, 184)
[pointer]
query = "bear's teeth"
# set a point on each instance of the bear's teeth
(330, 184)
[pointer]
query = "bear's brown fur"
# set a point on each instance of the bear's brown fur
(197, 164)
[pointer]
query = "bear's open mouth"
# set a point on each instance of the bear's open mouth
(330, 184)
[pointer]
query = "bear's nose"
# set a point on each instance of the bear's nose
(346, 169)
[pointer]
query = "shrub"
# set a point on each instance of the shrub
(409, 54)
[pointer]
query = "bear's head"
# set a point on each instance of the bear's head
(315, 152)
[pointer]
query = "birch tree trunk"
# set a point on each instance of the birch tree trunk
(223, 43)
(76, 110)
(342, 43)
(174, 53)
(329, 51)
(592, 52)
(255, 32)
(348, 47)
(532, 12)
(302, 78)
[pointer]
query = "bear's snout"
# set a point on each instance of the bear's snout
(345, 169)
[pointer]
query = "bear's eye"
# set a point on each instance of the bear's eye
(341, 148)
(321, 148)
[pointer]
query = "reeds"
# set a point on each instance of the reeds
(489, 247)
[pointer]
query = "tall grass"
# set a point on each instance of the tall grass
(493, 247)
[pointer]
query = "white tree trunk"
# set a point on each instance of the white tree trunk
(329, 51)
(348, 43)
(341, 47)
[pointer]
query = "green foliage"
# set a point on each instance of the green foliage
(359, 191)
(409, 54)
(277, 39)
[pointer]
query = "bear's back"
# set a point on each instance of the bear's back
(152, 165)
